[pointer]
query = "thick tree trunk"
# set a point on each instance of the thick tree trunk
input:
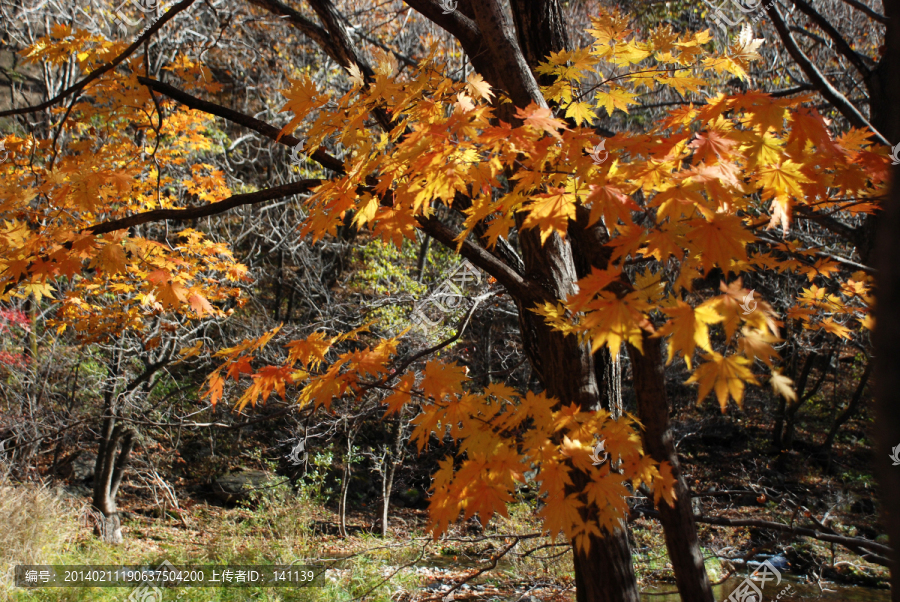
(565, 367)
(887, 321)
(606, 573)
(678, 519)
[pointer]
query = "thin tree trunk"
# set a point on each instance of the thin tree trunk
(423, 257)
(108, 527)
(109, 469)
(279, 286)
(778, 429)
(787, 438)
(848, 411)
(290, 307)
(678, 519)
(395, 459)
(108, 476)
(345, 484)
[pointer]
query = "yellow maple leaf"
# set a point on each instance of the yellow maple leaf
(551, 212)
(725, 375)
(561, 514)
(442, 379)
(542, 118)
(688, 328)
(612, 321)
(836, 329)
(783, 180)
(664, 485)
(302, 97)
(719, 240)
(616, 98)
(581, 112)
(309, 351)
(356, 76)
(478, 88)
(782, 385)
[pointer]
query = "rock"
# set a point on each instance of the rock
(696, 506)
(409, 498)
(778, 561)
(237, 486)
(78, 467)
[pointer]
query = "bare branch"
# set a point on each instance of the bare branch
(817, 78)
(840, 43)
(868, 11)
(267, 130)
(523, 288)
(170, 14)
(869, 550)
(237, 200)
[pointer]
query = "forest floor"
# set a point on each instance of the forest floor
(407, 566)
(727, 460)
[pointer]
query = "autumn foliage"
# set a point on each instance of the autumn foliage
(702, 194)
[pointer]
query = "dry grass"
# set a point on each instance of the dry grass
(35, 525)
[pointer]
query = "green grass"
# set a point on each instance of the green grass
(280, 527)
(276, 530)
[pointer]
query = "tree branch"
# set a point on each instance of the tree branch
(170, 14)
(868, 11)
(267, 130)
(295, 18)
(840, 43)
(869, 550)
(525, 289)
(237, 200)
(455, 23)
(829, 223)
(817, 78)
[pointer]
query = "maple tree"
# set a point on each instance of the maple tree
(651, 244)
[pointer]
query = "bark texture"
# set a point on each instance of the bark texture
(678, 519)
(887, 321)
(110, 468)
(565, 367)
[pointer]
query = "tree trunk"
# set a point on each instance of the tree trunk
(110, 467)
(677, 520)
(887, 319)
(564, 366)
(778, 429)
(279, 286)
(395, 459)
(848, 411)
(423, 258)
(788, 416)
(605, 573)
(345, 482)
